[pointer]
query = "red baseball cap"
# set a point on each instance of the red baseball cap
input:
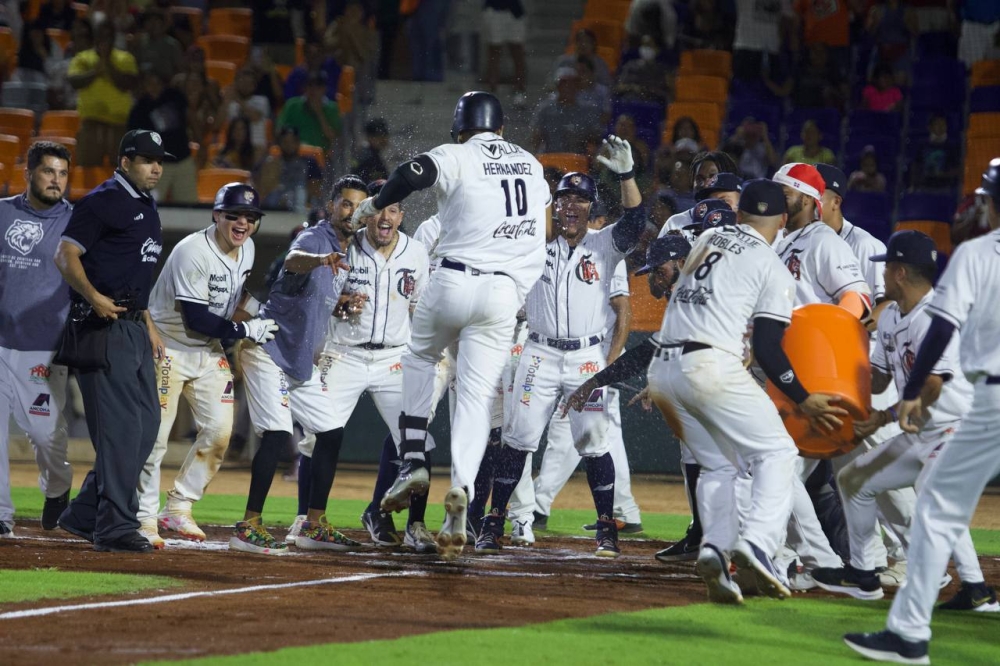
(805, 178)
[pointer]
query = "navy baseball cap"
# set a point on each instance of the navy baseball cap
(834, 178)
(909, 247)
(712, 213)
(762, 197)
(142, 142)
(664, 249)
(720, 182)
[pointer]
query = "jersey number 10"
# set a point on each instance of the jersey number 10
(520, 196)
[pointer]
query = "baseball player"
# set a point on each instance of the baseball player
(493, 204)
(723, 188)
(567, 314)
(964, 299)
(283, 383)
(731, 277)
(910, 266)
(193, 305)
(34, 303)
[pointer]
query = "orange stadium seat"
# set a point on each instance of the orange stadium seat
(81, 9)
(94, 176)
(8, 50)
(345, 90)
(707, 62)
(984, 125)
(68, 141)
(31, 11)
(60, 37)
(210, 180)
(227, 48)
(77, 188)
(939, 231)
(565, 162)
(608, 10)
(223, 73)
(195, 17)
(985, 73)
(609, 33)
(708, 115)
(978, 153)
(305, 150)
(236, 21)
(700, 88)
(19, 122)
(647, 312)
(59, 123)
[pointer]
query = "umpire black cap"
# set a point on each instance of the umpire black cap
(142, 142)
(577, 183)
(238, 197)
(990, 186)
(664, 249)
(477, 110)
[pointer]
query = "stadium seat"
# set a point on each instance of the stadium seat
(708, 115)
(986, 99)
(236, 21)
(565, 162)
(828, 121)
(871, 211)
(8, 51)
(937, 45)
(19, 122)
(919, 118)
(227, 48)
(223, 73)
(195, 18)
(863, 120)
(210, 180)
(59, 123)
(607, 10)
(645, 114)
(760, 111)
(985, 73)
(984, 124)
(939, 83)
(314, 152)
(60, 37)
(926, 206)
(647, 312)
(345, 90)
(4, 179)
(699, 88)
(609, 33)
(77, 188)
(707, 62)
(939, 231)
(978, 153)
(81, 9)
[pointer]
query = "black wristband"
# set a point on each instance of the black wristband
(626, 176)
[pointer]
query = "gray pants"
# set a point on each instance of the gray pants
(123, 417)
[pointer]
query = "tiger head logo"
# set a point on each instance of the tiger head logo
(24, 235)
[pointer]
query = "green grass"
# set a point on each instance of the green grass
(800, 631)
(33, 584)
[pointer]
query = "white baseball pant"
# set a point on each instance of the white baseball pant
(945, 504)
(33, 391)
(276, 400)
(206, 381)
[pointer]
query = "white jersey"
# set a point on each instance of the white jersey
(392, 286)
(619, 287)
(570, 300)
(492, 199)
(865, 246)
(966, 296)
(198, 271)
(899, 339)
(676, 222)
(731, 277)
(428, 233)
(823, 265)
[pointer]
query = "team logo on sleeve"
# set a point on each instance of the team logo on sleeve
(39, 374)
(586, 270)
(24, 235)
(406, 283)
(908, 358)
(794, 264)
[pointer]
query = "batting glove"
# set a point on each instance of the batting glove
(619, 157)
(365, 209)
(259, 330)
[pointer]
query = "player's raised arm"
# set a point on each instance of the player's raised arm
(629, 227)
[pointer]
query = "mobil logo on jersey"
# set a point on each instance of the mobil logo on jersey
(406, 282)
(39, 374)
(529, 380)
(586, 270)
(589, 368)
(794, 264)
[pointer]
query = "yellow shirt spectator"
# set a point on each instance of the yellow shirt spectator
(102, 100)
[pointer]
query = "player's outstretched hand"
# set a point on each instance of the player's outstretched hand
(619, 158)
(642, 397)
(259, 330)
(579, 398)
(821, 408)
(365, 209)
(911, 415)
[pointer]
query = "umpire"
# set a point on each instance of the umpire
(108, 254)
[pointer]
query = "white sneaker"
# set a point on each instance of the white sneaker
(419, 539)
(294, 530)
(182, 523)
(893, 576)
(451, 539)
(147, 528)
(714, 570)
(751, 558)
(521, 533)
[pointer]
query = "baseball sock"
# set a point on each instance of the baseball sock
(601, 478)
(265, 462)
(484, 481)
(324, 466)
(691, 472)
(418, 503)
(388, 466)
(413, 431)
(509, 467)
(305, 480)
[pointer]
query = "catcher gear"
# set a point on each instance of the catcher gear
(477, 110)
(577, 183)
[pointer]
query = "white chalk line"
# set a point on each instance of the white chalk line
(53, 610)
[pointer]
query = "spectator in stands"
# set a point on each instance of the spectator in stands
(827, 23)
(269, 81)
(679, 187)
(867, 178)
(656, 18)
(163, 109)
(708, 26)
(810, 151)
(504, 23)
(936, 162)
(882, 94)
(40, 61)
(315, 60)
(762, 29)
(238, 151)
(820, 81)
(751, 146)
(81, 39)
(156, 50)
(592, 93)
(980, 38)
(354, 43)
(368, 162)
(316, 118)
(239, 99)
(10, 16)
(561, 123)
(203, 105)
(687, 128)
(57, 14)
(273, 27)
(892, 26)
(289, 181)
(118, 13)
(425, 28)
(103, 78)
(648, 78)
(585, 44)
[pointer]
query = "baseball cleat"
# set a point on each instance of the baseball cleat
(473, 526)
(128, 543)
(714, 570)
(412, 479)
(488, 542)
(381, 528)
(182, 524)
(893, 576)
(54, 506)
(147, 528)
(607, 540)
(6, 530)
(294, 530)
(251, 537)
(972, 597)
(887, 646)
(748, 556)
(521, 533)
(685, 549)
(451, 539)
(864, 585)
(318, 535)
(419, 539)
(540, 522)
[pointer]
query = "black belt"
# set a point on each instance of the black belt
(371, 346)
(688, 347)
(132, 315)
(993, 379)
(459, 266)
(566, 344)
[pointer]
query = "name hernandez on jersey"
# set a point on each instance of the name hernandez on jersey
(731, 277)
(822, 264)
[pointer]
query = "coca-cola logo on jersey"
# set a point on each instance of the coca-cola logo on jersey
(515, 230)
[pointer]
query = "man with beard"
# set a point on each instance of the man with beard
(34, 302)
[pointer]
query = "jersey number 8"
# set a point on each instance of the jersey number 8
(706, 266)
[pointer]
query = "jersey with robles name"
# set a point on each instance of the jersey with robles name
(899, 339)
(966, 296)
(198, 271)
(865, 246)
(492, 198)
(392, 286)
(570, 299)
(823, 265)
(731, 277)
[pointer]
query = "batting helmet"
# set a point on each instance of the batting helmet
(477, 110)
(577, 183)
(238, 197)
(991, 181)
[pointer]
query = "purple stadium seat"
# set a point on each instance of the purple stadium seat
(985, 100)
(925, 206)
(937, 45)
(648, 117)
(919, 118)
(874, 122)
(762, 111)
(828, 121)
(870, 211)
(939, 83)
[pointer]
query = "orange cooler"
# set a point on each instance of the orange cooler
(828, 348)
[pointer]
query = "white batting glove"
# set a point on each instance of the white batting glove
(259, 330)
(365, 209)
(619, 157)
